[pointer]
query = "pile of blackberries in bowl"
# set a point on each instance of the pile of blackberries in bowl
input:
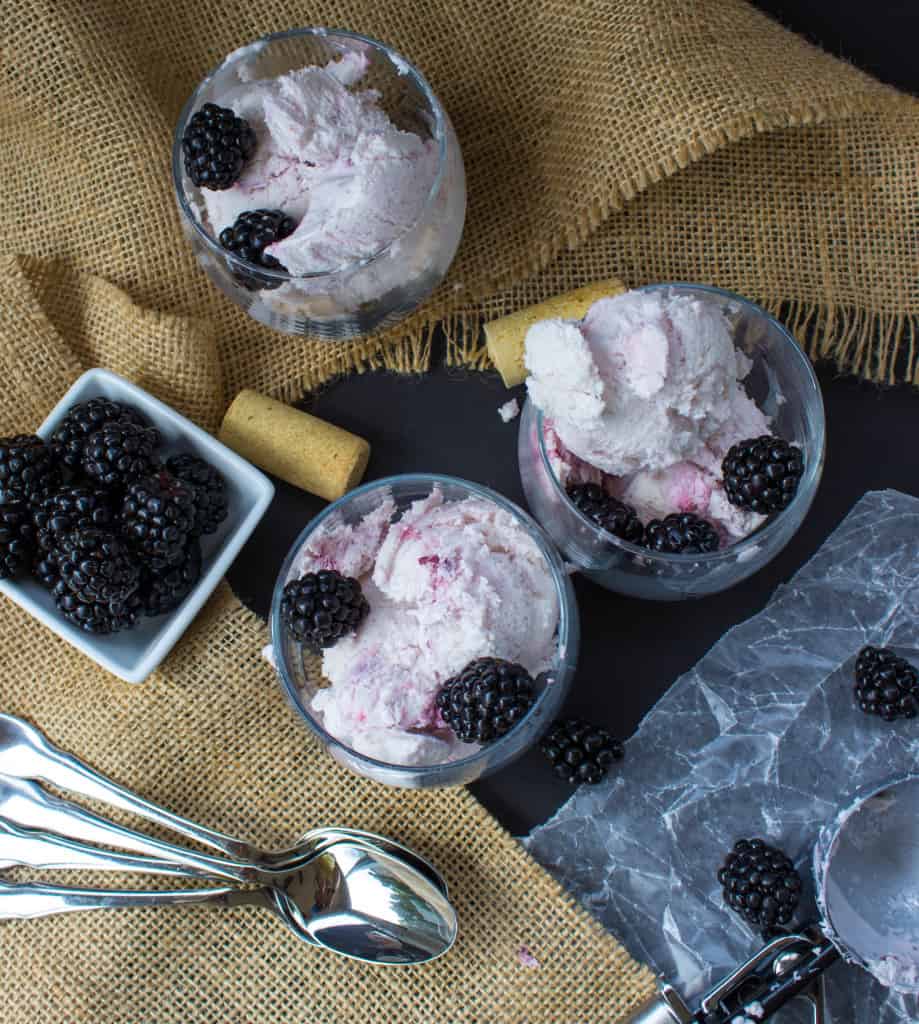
(97, 516)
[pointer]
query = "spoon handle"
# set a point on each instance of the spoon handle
(26, 753)
(34, 899)
(28, 847)
(27, 805)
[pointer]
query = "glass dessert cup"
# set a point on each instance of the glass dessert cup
(783, 385)
(300, 672)
(368, 294)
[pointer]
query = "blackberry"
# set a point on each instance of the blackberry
(164, 591)
(119, 453)
(77, 507)
(681, 533)
(761, 884)
(579, 752)
(612, 515)
(486, 700)
(97, 617)
(17, 540)
(45, 568)
(216, 145)
(886, 684)
(321, 607)
(248, 238)
(211, 505)
(97, 567)
(762, 474)
(157, 518)
(86, 418)
(28, 469)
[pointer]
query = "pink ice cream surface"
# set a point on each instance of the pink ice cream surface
(448, 582)
(329, 157)
(644, 397)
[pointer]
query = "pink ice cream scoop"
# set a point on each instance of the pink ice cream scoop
(644, 397)
(329, 157)
(448, 582)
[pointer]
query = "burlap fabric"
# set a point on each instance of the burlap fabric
(649, 139)
(661, 139)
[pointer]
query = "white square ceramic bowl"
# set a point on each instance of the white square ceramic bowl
(135, 653)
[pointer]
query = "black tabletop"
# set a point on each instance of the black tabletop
(631, 651)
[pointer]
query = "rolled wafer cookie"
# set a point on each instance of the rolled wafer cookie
(299, 448)
(505, 335)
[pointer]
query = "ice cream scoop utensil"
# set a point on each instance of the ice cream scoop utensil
(786, 968)
(351, 898)
(867, 878)
(25, 753)
(866, 868)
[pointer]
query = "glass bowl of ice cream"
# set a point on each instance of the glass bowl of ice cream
(672, 440)
(449, 589)
(320, 182)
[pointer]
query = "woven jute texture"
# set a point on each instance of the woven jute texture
(647, 139)
(211, 736)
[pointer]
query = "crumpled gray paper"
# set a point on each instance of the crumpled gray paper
(763, 738)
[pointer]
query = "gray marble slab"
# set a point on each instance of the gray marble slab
(762, 738)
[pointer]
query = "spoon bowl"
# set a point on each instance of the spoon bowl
(318, 838)
(364, 903)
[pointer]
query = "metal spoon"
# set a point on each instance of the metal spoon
(351, 898)
(369, 898)
(355, 926)
(27, 847)
(31, 848)
(23, 900)
(25, 753)
(27, 805)
(378, 907)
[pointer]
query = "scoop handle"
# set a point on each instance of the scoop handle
(806, 974)
(786, 968)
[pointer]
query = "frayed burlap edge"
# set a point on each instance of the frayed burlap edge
(877, 345)
(881, 347)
